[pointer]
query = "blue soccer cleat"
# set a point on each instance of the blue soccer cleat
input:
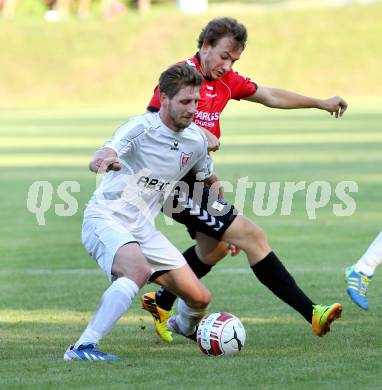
(357, 286)
(87, 352)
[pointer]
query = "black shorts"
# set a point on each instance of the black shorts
(200, 210)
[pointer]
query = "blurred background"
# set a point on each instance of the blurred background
(101, 53)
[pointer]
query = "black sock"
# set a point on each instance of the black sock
(272, 273)
(200, 269)
(165, 299)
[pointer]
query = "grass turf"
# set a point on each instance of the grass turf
(49, 287)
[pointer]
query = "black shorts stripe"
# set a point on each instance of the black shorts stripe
(201, 212)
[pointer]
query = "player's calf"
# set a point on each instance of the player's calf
(209, 251)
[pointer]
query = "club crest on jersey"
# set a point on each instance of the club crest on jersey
(184, 157)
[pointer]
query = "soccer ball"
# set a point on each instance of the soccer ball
(220, 334)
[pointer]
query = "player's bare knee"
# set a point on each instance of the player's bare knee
(200, 300)
(254, 234)
(142, 275)
(204, 299)
(139, 274)
(129, 262)
(259, 236)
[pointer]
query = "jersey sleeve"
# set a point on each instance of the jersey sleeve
(154, 104)
(241, 86)
(124, 138)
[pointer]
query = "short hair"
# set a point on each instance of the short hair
(218, 28)
(176, 77)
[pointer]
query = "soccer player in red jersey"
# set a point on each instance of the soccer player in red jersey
(220, 45)
(218, 87)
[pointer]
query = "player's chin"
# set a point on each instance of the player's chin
(217, 75)
(185, 122)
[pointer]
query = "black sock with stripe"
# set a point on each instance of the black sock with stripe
(272, 273)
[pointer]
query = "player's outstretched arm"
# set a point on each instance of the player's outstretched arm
(104, 160)
(281, 98)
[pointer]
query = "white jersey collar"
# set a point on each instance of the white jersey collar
(172, 132)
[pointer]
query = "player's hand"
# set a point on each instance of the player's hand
(104, 160)
(213, 183)
(100, 165)
(233, 249)
(213, 141)
(335, 105)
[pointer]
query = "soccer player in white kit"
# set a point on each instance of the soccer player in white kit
(359, 275)
(147, 156)
(208, 213)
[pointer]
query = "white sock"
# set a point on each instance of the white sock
(188, 318)
(114, 303)
(372, 257)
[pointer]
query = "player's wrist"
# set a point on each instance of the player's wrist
(320, 104)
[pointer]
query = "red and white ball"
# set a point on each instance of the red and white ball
(220, 334)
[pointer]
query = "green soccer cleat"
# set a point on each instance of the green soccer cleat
(323, 316)
(160, 316)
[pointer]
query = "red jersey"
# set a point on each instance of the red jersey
(214, 96)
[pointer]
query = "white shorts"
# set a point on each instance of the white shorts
(102, 237)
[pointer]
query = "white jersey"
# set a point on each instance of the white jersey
(153, 159)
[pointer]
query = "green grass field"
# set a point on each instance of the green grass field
(49, 287)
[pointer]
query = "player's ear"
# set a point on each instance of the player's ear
(205, 47)
(163, 98)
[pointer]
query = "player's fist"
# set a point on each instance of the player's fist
(235, 250)
(335, 105)
(213, 141)
(100, 165)
(105, 160)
